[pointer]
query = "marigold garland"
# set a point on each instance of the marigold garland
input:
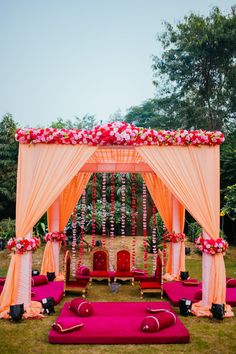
(55, 236)
(173, 237)
(118, 133)
(123, 182)
(145, 253)
(93, 222)
(82, 225)
(154, 238)
(23, 245)
(74, 242)
(112, 224)
(104, 213)
(133, 226)
(211, 246)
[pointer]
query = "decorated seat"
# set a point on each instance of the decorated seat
(100, 265)
(123, 266)
(154, 284)
(78, 286)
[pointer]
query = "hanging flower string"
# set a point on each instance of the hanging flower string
(145, 253)
(172, 237)
(118, 133)
(94, 195)
(211, 246)
(55, 236)
(23, 245)
(164, 248)
(104, 213)
(73, 245)
(133, 226)
(123, 181)
(154, 238)
(112, 225)
(82, 224)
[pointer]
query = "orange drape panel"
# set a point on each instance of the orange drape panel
(48, 264)
(161, 196)
(192, 175)
(44, 172)
(69, 198)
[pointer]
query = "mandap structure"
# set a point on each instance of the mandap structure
(180, 168)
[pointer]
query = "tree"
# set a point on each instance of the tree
(8, 166)
(197, 67)
(86, 122)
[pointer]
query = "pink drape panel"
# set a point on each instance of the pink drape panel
(67, 201)
(44, 172)
(192, 175)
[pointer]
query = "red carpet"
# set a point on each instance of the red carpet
(118, 323)
(176, 290)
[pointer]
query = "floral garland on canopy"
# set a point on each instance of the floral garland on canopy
(118, 133)
(55, 236)
(172, 237)
(23, 245)
(211, 246)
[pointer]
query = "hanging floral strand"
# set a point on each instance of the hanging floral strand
(123, 180)
(154, 237)
(82, 224)
(73, 245)
(133, 227)
(164, 248)
(93, 222)
(112, 227)
(145, 253)
(104, 214)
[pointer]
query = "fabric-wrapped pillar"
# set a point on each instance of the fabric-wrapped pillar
(54, 225)
(178, 251)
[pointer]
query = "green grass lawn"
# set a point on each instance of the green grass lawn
(207, 335)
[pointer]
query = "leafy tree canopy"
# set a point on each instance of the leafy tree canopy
(86, 122)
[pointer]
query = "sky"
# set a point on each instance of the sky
(67, 58)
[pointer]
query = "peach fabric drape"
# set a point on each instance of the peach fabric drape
(192, 175)
(67, 201)
(44, 172)
(161, 196)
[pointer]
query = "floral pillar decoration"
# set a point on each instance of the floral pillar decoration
(123, 182)
(104, 213)
(154, 238)
(133, 227)
(145, 253)
(74, 231)
(94, 195)
(112, 225)
(24, 247)
(82, 225)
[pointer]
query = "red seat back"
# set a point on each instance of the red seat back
(123, 261)
(100, 261)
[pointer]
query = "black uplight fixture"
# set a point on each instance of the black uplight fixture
(218, 311)
(184, 275)
(16, 312)
(51, 276)
(35, 272)
(48, 305)
(185, 307)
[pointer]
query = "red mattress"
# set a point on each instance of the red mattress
(118, 323)
(53, 289)
(176, 290)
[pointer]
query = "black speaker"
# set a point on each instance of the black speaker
(184, 275)
(187, 251)
(218, 311)
(16, 312)
(35, 272)
(185, 307)
(48, 305)
(2, 244)
(51, 276)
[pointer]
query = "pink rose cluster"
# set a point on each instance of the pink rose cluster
(211, 246)
(172, 237)
(22, 245)
(119, 133)
(55, 236)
